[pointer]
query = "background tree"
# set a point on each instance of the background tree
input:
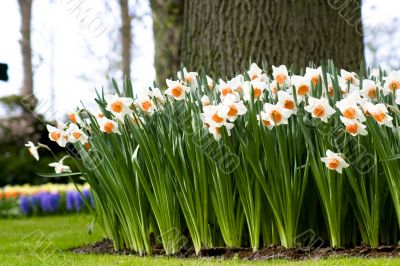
(224, 35)
(167, 27)
(26, 48)
(126, 38)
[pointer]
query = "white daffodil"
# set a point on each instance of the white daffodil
(108, 126)
(176, 90)
(273, 87)
(302, 86)
(256, 73)
(210, 82)
(76, 134)
(354, 127)
(58, 135)
(236, 84)
(313, 74)
(205, 100)
(319, 108)
(74, 118)
(146, 105)
(227, 88)
(334, 161)
(287, 101)
(392, 82)
(231, 109)
(59, 167)
(280, 74)
(350, 110)
(213, 117)
(216, 131)
(188, 78)
(380, 113)
(33, 150)
(254, 90)
(118, 106)
(350, 77)
(263, 117)
(275, 114)
(369, 89)
(346, 87)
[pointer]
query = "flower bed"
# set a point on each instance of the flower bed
(45, 199)
(253, 161)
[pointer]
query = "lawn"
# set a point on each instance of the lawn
(44, 241)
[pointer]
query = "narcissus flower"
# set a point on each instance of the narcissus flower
(59, 167)
(380, 113)
(350, 110)
(118, 106)
(188, 78)
(74, 118)
(210, 82)
(313, 74)
(334, 161)
(58, 135)
(319, 108)
(33, 150)
(275, 114)
(287, 101)
(108, 126)
(255, 73)
(231, 109)
(354, 127)
(216, 131)
(280, 74)
(392, 82)
(205, 100)
(350, 77)
(228, 88)
(146, 105)
(369, 89)
(302, 86)
(213, 117)
(254, 88)
(176, 90)
(76, 134)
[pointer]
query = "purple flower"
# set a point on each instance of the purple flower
(25, 204)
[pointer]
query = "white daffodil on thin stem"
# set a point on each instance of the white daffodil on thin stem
(188, 78)
(118, 106)
(205, 100)
(59, 167)
(58, 135)
(334, 161)
(213, 117)
(228, 88)
(231, 109)
(108, 126)
(216, 131)
(76, 134)
(74, 118)
(264, 118)
(33, 150)
(319, 108)
(147, 105)
(380, 113)
(255, 73)
(280, 74)
(313, 74)
(287, 101)
(350, 110)
(275, 114)
(350, 77)
(176, 90)
(392, 82)
(254, 90)
(354, 127)
(369, 89)
(302, 86)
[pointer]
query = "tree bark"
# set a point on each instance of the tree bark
(224, 35)
(167, 29)
(26, 50)
(126, 38)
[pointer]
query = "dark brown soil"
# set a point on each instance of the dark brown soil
(272, 252)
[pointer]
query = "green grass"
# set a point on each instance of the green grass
(43, 241)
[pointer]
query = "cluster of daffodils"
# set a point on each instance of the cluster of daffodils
(281, 96)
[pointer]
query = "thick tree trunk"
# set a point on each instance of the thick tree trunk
(223, 35)
(126, 38)
(167, 28)
(26, 50)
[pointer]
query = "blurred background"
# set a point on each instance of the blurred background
(55, 53)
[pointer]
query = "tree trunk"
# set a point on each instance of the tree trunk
(126, 38)
(224, 35)
(167, 28)
(26, 50)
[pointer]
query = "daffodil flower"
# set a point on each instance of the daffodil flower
(108, 126)
(334, 161)
(231, 109)
(176, 90)
(302, 86)
(380, 113)
(213, 116)
(58, 135)
(76, 134)
(313, 74)
(188, 78)
(350, 77)
(280, 74)
(254, 90)
(33, 150)
(118, 106)
(205, 100)
(287, 101)
(350, 110)
(319, 108)
(354, 127)
(147, 105)
(228, 88)
(392, 82)
(369, 89)
(275, 114)
(255, 73)
(59, 167)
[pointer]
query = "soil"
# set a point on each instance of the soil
(272, 252)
